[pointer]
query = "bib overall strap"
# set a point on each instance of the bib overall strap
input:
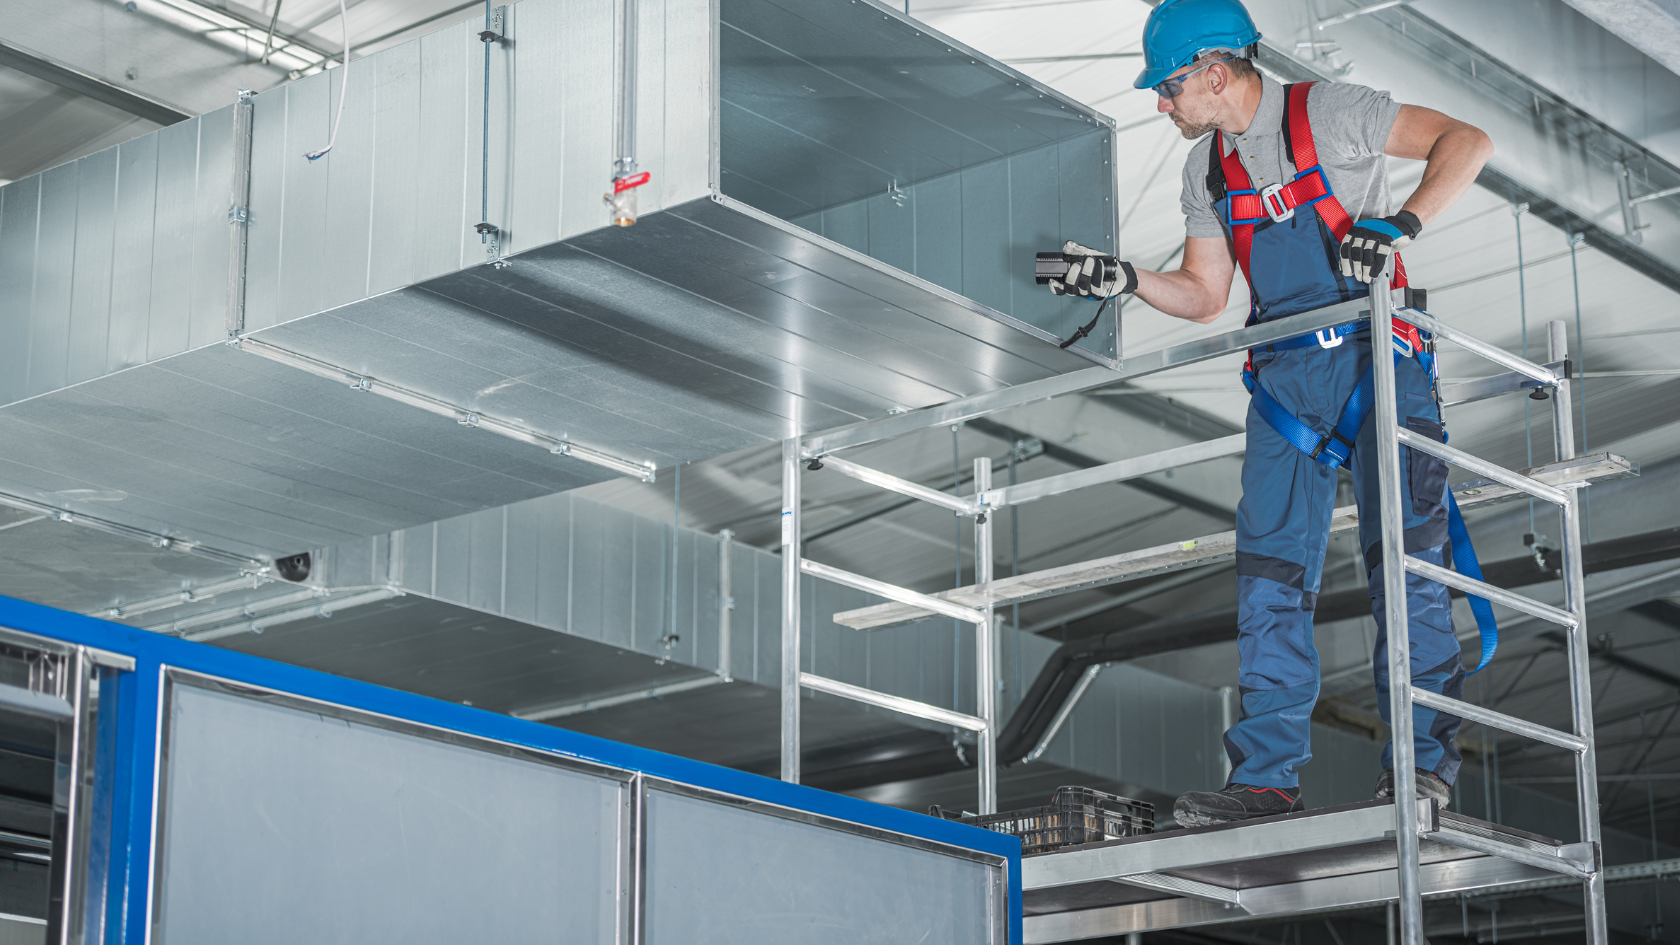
(1303, 152)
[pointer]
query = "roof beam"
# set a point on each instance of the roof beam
(89, 85)
(190, 69)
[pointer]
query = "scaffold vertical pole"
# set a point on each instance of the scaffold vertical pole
(791, 552)
(1580, 676)
(1394, 592)
(1563, 419)
(985, 651)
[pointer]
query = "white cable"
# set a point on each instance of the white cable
(343, 85)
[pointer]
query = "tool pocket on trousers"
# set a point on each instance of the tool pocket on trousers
(1427, 473)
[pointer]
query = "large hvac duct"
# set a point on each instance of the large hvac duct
(840, 224)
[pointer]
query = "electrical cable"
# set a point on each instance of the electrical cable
(1083, 332)
(343, 85)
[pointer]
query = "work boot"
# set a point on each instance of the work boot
(1429, 787)
(1234, 802)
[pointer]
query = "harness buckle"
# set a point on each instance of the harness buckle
(1271, 200)
(1327, 337)
(1407, 339)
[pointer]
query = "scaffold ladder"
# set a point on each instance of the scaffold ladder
(984, 722)
(1572, 617)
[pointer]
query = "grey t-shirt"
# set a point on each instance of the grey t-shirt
(1350, 126)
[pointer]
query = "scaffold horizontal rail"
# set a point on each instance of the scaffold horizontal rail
(1113, 472)
(1153, 362)
(1499, 720)
(1482, 467)
(1478, 347)
(1209, 549)
(1497, 595)
(904, 596)
(911, 707)
(1470, 390)
(914, 490)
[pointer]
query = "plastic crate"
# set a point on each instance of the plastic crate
(1075, 815)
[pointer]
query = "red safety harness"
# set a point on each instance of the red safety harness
(1279, 201)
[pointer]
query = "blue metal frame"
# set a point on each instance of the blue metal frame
(133, 730)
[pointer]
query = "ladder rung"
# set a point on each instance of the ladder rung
(920, 710)
(888, 481)
(1482, 467)
(891, 591)
(1498, 595)
(1499, 720)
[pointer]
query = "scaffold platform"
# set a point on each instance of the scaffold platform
(1315, 861)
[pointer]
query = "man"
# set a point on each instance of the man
(1247, 202)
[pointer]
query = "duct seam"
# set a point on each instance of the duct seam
(470, 418)
(155, 539)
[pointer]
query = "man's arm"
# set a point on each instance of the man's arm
(1200, 288)
(1455, 153)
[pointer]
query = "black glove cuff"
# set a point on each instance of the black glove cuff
(1408, 223)
(1131, 278)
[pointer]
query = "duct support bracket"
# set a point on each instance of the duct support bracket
(239, 213)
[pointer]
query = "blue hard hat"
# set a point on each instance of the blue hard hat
(1179, 29)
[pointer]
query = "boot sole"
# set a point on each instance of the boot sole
(1192, 818)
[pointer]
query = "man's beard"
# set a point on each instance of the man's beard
(1195, 130)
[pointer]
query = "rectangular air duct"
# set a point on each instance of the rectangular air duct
(840, 224)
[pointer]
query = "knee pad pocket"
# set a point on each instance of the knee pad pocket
(1427, 474)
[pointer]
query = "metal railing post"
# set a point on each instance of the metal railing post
(985, 632)
(726, 606)
(1394, 591)
(1563, 420)
(791, 553)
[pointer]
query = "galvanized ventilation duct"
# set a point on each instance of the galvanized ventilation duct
(719, 321)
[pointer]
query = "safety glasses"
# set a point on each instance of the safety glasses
(1172, 85)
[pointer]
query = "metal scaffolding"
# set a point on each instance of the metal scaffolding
(1322, 859)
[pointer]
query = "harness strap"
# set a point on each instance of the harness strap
(1236, 180)
(1303, 151)
(1333, 450)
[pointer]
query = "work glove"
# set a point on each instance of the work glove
(1093, 274)
(1366, 247)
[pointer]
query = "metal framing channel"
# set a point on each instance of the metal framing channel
(239, 213)
(636, 789)
(726, 607)
(985, 647)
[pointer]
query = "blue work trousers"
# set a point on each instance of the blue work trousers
(1283, 526)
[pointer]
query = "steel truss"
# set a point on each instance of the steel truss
(1406, 832)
